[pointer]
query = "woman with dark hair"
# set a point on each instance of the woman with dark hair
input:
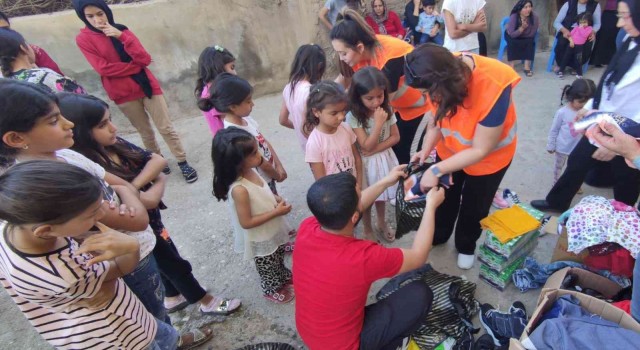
(567, 20)
(358, 47)
(384, 21)
(473, 130)
(520, 34)
(117, 55)
(618, 92)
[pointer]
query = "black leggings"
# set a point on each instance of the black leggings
(467, 201)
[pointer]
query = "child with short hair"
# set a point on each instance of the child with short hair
(72, 294)
(213, 60)
(260, 229)
(561, 141)
(95, 137)
(331, 147)
(573, 54)
(232, 96)
(374, 124)
(307, 69)
(429, 24)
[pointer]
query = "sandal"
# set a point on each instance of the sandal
(282, 296)
(387, 235)
(288, 247)
(528, 72)
(200, 336)
(221, 306)
(179, 304)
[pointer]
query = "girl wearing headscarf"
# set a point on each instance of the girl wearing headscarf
(122, 62)
(618, 92)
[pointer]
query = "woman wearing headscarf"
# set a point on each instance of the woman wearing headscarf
(122, 62)
(520, 34)
(384, 21)
(618, 92)
(567, 20)
(605, 46)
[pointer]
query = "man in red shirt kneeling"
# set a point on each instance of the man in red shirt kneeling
(333, 271)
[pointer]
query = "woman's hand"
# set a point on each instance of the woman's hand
(592, 36)
(619, 142)
(583, 113)
(524, 25)
(420, 156)
(603, 155)
(111, 31)
(429, 180)
(565, 33)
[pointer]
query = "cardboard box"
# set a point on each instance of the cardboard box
(550, 293)
(560, 252)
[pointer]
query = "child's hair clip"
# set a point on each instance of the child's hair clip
(219, 48)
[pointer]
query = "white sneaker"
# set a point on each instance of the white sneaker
(466, 261)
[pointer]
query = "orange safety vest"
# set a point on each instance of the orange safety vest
(407, 101)
(489, 78)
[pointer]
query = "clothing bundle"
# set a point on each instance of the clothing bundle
(507, 224)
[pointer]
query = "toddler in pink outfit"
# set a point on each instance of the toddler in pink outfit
(573, 54)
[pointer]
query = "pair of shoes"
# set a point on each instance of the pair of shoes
(511, 197)
(282, 296)
(175, 304)
(543, 205)
(190, 174)
(499, 202)
(465, 261)
(221, 306)
(502, 326)
(485, 342)
(166, 170)
(560, 75)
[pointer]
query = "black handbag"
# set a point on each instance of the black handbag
(409, 213)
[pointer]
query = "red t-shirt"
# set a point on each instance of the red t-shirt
(332, 275)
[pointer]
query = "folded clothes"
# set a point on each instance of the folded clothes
(507, 224)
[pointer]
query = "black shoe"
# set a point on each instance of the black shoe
(503, 326)
(190, 174)
(543, 205)
(166, 170)
(485, 342)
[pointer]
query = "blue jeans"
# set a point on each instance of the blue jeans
(146, 284)
(166, 337)
(635, 296)
(426, 38)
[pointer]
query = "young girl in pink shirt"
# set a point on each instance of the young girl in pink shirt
(573, 54)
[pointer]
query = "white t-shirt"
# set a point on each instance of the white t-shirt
(263, 146)
(296, 102)
(333, 150)
(146, 238)
(464, 12)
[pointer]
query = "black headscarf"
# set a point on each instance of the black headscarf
(622, 60)
(141, 77)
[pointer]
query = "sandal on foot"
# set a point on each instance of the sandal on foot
(221, 306)
(528, 72)
(178, 304)
(200, 336)
(282, 296)
(388, 235)
(288, 247)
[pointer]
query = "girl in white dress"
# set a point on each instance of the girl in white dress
(374, 124)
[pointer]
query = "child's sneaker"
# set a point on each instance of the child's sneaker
(511, 197)
(503, 326)
(190, 174)
(499, 202)
(560, 75)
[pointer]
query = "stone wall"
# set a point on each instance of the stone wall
(262, 34)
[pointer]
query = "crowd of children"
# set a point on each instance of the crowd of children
(85, 254)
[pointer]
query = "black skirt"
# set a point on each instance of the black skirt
(519, 48)
(605, 46)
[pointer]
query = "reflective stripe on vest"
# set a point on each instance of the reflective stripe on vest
(507, 140)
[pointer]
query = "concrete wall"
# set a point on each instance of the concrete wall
(262, 34)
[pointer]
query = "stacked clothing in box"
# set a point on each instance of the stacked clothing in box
(511, 235)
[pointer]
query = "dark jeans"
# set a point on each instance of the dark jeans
(145, 283)
(410, 133)
(468, 201)
(563, 44)
(572, 58)
(176, 271)
(625, 188)
(438, 39)
(390, 320)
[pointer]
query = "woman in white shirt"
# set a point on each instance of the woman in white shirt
(463, 19)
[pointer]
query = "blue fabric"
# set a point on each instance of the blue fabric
(438, 39)
(534, 275)
(498, 112)
(636, 162)
(146, 284)
(635, 296)
(576, 328)
(166, 337)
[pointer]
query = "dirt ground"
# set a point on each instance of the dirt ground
(201, 228)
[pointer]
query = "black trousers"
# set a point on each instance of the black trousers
(390, 320)
(625, 188)
(563, 44)
(572, 58)
(175, 271)
(409, 130)
(468, 201)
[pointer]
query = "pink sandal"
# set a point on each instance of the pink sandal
(284, 295)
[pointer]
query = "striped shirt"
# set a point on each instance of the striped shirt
(47, 287)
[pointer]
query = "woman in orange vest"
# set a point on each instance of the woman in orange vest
(473, 129)
(358, 46)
